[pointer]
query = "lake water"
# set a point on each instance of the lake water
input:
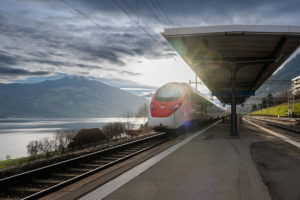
(15, 134)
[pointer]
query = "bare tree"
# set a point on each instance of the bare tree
(113, 130)
(62, 140)
(108, 130)
(33, 148)
(130, 121)
(46, 146)
(143, 110)
(143, 113)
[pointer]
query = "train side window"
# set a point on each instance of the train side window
(209, 108)
(204, 107)
(194, 101)
(199, 107)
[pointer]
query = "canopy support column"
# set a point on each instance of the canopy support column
(234, 131)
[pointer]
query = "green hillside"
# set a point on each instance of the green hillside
(280, 110)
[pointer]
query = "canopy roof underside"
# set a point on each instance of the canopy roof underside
(255, 51)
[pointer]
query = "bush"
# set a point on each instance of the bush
(63, 139)
(87, 137)
(48, 146)
(132, 133)
(113, 130)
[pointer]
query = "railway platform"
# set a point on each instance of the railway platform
(212, 165)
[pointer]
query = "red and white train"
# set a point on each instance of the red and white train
(177, 105)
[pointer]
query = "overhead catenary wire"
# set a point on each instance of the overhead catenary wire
(163, 11)
(86, 16)
(160, 13)
(105, 30)
(132, 10)
(138, 24)
(141, 27)
(155, 15)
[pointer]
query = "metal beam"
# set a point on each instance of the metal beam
(250, 60)
(274, 55)
(233, 101)
(239, 93)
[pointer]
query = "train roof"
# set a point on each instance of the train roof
(205, 97)
(195, 91)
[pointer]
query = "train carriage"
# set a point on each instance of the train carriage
(176, 105)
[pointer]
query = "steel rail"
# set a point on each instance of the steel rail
(42, 170)
(277, 125)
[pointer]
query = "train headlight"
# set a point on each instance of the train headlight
(176, 106)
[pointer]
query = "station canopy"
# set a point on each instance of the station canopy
(254, 51)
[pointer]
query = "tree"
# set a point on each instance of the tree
(113, 130)
(143, 111)
(33, 148)
(263, 103)
(47, 146)
(270, 100)
(130, 121)
(62, 140)
(267, 101)
(254, 107)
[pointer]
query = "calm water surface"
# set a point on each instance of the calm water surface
(15, 134)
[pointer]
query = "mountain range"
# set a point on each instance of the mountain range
(67, 97)
(278, 84)
(290, 70)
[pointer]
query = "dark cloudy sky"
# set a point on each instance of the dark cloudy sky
(115, 39)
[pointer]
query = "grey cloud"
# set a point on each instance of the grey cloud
(83, 66)
(62, 36)
(100, 52)
(5, 71)
(94, 67)
(48, 62)
(6, 59)
(128, 73)
(108, 48)
(203, 11)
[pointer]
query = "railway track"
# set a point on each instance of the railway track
(42, 181)
(286, 126)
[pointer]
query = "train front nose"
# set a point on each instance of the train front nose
(161, 109)
(164, 104)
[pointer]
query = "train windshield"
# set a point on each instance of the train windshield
(170, 92)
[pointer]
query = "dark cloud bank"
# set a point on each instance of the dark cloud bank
(63, 39)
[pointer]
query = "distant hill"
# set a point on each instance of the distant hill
(290, 70)
(66, 97)
(149, 95)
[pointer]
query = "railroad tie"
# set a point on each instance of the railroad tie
(79, 169)
(91, 165)
(47, 181)
(25, 189)
(120, 155)
(64, 175)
